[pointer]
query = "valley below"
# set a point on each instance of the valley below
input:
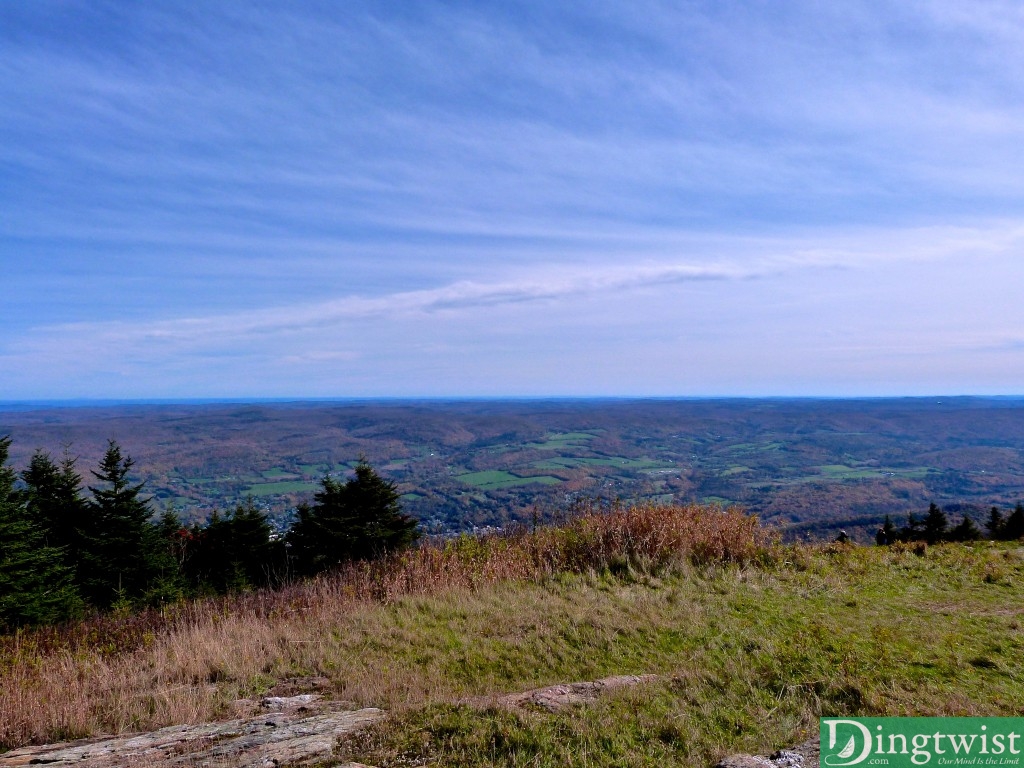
(809, 467)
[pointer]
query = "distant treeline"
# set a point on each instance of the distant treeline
(934, 527)
(64, 552)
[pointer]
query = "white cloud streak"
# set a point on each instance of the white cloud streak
(427, 179)
(464, 295)
(804, 314)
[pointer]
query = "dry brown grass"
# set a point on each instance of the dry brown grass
(188, 662)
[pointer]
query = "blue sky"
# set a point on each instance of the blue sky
(511, 199)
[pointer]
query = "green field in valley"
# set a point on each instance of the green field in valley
(570, 462)
(843, 472)
(286, 486)
(500, 479)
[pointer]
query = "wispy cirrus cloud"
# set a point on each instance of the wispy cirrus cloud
(797, 312)
(310, 185)
(302, 318)
(878, 252)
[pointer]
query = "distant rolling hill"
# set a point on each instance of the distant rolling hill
(810, 466)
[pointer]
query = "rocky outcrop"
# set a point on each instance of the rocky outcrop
(276, 730)
(806, 755)
(302, 729)
(291, 731)
(556, 697)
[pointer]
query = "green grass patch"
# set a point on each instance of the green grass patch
(749, 658)
(754, 447)
(625, 463)
(737, 470)
(562, 441)
(843, 472)
(492, 479)
(488, 477)
(573, 462)
(556, 464)
(539, 480)
(287, 486)
(717, 500)
(278, 474)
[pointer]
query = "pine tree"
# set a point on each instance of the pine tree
(174, 538)
(360, 519)
(252, 551)
(376, 503)
(995, 523)
(913, 530)
(55, 503)
(1013, 528)
(233, 551)
(935, 524)
(120, 546)
(326, 533)
(35, 586)
(168, 536)
(966, 530)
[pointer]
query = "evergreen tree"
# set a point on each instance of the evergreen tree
(35, 586)
(120, 546)
(376, 504)
(1013, 528)
(913, 530)
(995, 523)
(307, 552)
(174, 537)
(935, 524)
(254, 555)
(167, 582)
(966, 530)
(326, 533)
(55, 503)
(233, 551)
(205, 561)
(360, 519)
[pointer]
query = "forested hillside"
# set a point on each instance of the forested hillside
(65, 552)
(809, 466)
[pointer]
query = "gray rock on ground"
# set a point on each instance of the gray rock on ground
(288, 703)
(556, 697)
(805, 755)
(303, 728)
(300, 729)
(266, 741)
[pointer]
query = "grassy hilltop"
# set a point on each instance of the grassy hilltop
(752, 641)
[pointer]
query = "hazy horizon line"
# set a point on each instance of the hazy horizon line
(82, 402)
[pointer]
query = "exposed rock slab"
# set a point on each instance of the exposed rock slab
(271, 739)
(806, 755)
(556, 697)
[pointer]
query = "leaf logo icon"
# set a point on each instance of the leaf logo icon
(847, 750)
